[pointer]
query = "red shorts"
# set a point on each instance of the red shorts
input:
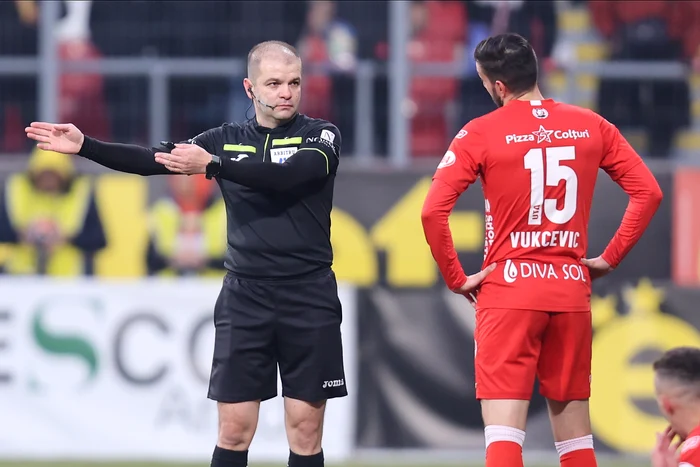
(511, 347)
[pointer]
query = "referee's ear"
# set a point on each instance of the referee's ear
(248, 87)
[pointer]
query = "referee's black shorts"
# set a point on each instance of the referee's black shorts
(291, 323)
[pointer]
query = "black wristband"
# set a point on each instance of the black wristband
(214, 167)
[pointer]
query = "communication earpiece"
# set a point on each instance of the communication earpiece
(250, 90)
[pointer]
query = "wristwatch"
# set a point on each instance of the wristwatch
(213, 167)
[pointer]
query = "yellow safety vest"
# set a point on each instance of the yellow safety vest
(25, 205)
(165, 220)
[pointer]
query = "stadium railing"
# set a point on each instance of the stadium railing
(160, 70)
(398, 70)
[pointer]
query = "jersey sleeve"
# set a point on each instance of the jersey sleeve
(618, 155)
(207, 139)
(127, 158)
(627, 169)
(324, 139)
(460, 167)
(462, 163)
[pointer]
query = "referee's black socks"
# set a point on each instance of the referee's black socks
(227, 458)
(315, 460)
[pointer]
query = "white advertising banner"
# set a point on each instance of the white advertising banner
(119, 370)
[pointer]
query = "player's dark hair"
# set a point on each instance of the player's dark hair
(508, 58)
(681, 364)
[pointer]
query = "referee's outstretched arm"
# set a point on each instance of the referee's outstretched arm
(128, 158)
(314, 160)
(66, 138)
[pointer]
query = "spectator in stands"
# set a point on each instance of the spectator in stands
(536, 21)
(645, 31)
(18, 94)
(81, 96)
(436, 37)
(691, 33)
(82, 99)
(326, 42)
(126, 96)
(188, 230)
(50, 216)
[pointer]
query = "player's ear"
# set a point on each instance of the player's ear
(667, 406)
(501, 89)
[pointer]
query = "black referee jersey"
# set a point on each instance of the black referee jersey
(277, 184)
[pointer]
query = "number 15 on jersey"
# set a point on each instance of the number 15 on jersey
(535, 161)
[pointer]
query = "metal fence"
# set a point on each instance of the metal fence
(159, 72)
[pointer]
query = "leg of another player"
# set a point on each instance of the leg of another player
(237, 425)
(304, 424)
(573, 437)
(504, 421)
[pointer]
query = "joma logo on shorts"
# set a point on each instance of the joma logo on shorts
(334, 383)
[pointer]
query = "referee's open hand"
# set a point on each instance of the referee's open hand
(471, 286)
(65, 138)
(185, 159)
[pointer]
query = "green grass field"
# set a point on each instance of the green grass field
(97, 464)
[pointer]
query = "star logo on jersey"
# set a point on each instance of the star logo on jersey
(543, 135)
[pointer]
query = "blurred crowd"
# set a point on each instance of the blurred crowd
(49, 219)
(51, 223)
(337, 35)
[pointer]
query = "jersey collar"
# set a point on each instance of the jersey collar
(277, 130)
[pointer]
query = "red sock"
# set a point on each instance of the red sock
(579, 458)
(505, 454)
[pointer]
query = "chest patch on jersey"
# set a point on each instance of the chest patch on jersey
(286, 141)
(239, 148)
(280, 155)
(690, 444)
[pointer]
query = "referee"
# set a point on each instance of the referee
(279, 302)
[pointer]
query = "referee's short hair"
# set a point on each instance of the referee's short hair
(259, 51)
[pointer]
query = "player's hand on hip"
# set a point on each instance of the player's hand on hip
(59, 137)
(470, 287)
(185, 159)
(597, 267)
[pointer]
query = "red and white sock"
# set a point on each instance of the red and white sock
(577, 452)
(504, 446)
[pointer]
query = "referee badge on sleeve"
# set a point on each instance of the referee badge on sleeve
(327, 135)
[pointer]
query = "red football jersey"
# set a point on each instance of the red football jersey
(690, 450)
(538, 162)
